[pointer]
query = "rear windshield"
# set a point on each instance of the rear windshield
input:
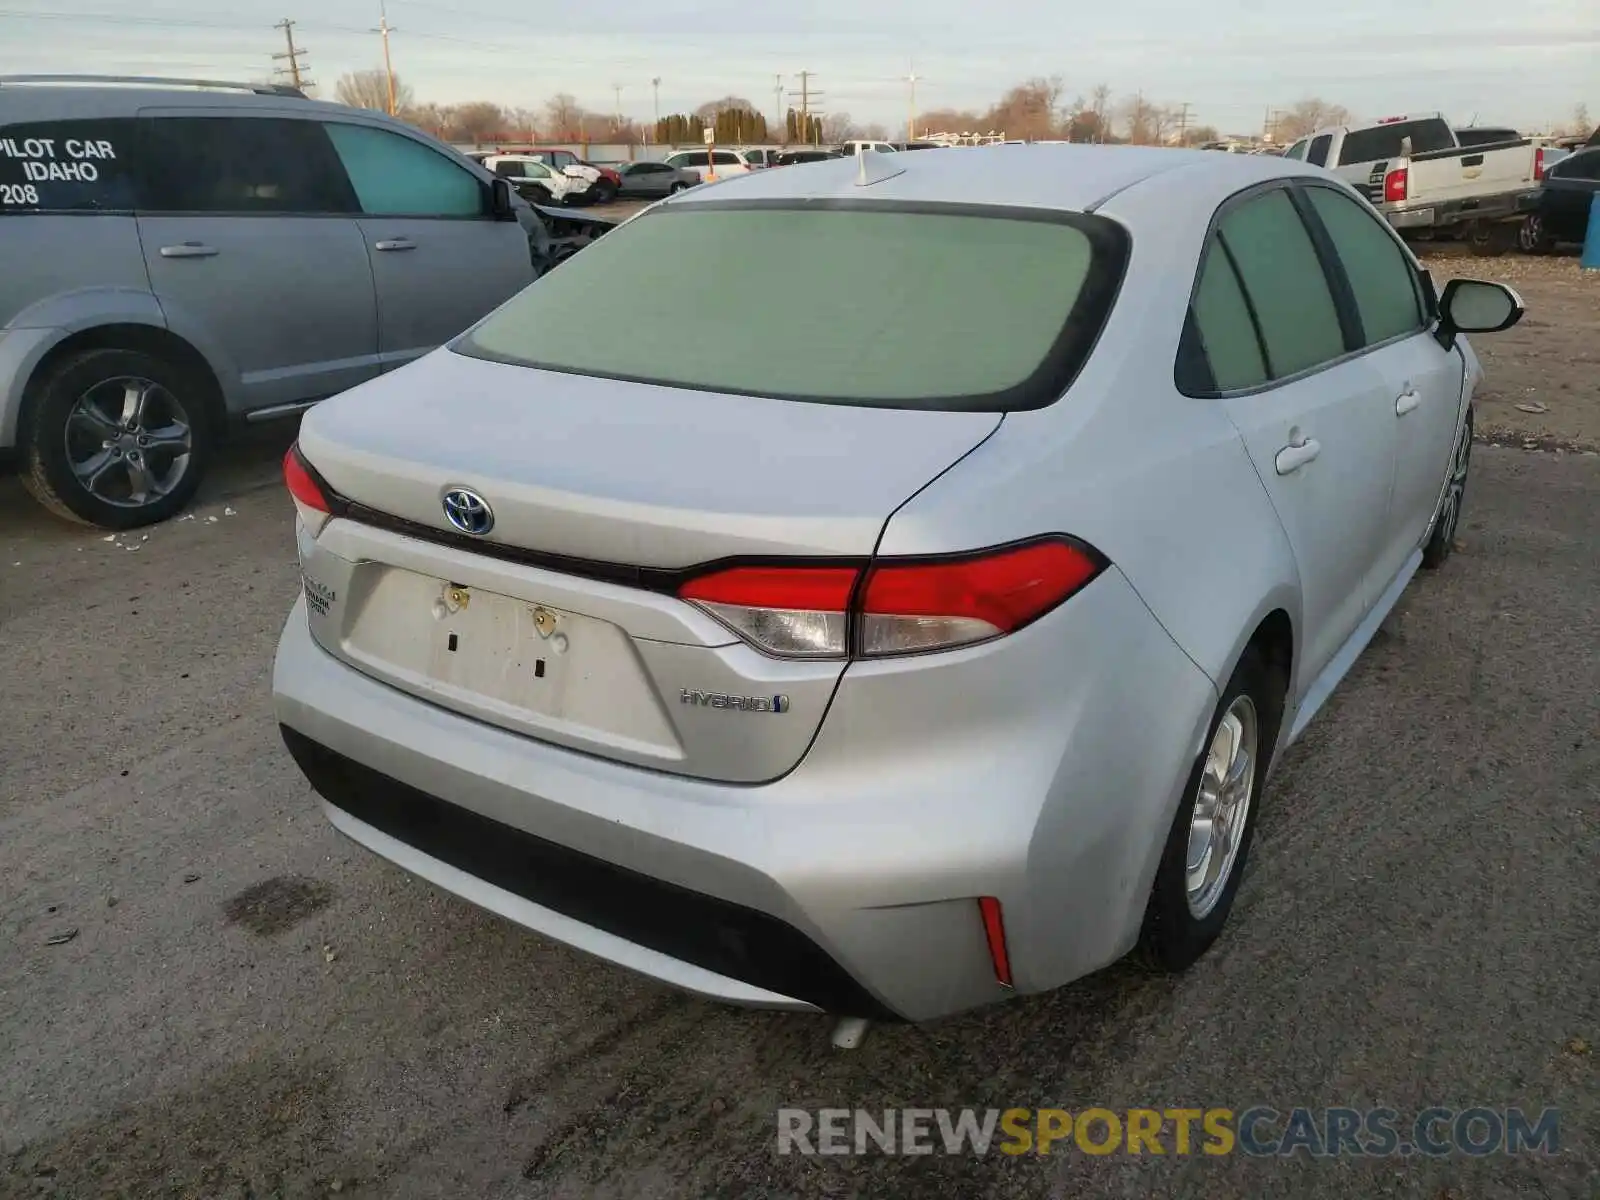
(1383, 141)
(869, 304)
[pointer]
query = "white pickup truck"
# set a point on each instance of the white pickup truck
(1426, 182)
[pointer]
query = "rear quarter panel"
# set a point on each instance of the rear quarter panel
(1158, 482)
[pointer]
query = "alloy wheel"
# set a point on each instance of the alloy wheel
(128, 441)
(1222, 807)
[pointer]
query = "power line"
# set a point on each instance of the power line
(293, 54)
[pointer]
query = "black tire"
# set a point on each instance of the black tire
(1173, 937)
(676, 188)
(1491, 239)
(1442, 539)
(604, 192)
(1533, 235)
(56, 434)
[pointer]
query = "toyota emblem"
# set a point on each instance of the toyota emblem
(468, 511)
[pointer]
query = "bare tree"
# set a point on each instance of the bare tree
(874, 132)
(1309, 115)
(708, 111)
(525, 121)
(1581, 123)
(837, 127)
(1028, 110)
(477, 122)
(1163, 124)
(1141, 118)
(1199, 135)
(370, 89)
(431, 118)
(565, 115)
(1100, 109)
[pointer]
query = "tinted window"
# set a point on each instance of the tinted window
(1578, 166)
(1283, 279)
(696, 158)
(68, 166)
(725, 159)
(508, 169)
(1298, 150)
(1226, 329)
(879, 306)
(395, 176)
(1485, 137)
(1380, 275)
(1383, 141)
(1317, 155)
(243, 165)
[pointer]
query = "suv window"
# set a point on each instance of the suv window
(1387, 296)
(1317, 155)
(695, 158)
(1298, 150)
(68, 166)
(1383, 141)
(243, 165)
(1583, 165)
(1282, 277)
(395, 176)
(725, 158)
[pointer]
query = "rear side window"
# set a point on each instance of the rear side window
(1584, 165)
(1221, 320)
(395, 176)
(1387, 296)
(243, 165)
(725, 159)
(882, 305)
(1298, 150)
(1383, 141)
(68, 166)
(1317, 155)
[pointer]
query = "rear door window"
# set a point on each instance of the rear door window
(1283, 280)
(243, 165)
(69, 166)
(1317, 154)
(396, 176)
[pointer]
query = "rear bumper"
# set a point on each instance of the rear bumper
(850, 884)
(1458, 212)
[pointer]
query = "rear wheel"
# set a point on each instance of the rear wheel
(1206, 848)
(676, 188)
(116, 438)
(604, 192)
(1533, 235)
(1491, 239)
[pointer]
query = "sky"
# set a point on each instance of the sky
(1525, 64)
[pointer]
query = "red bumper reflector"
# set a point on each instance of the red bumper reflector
(994, 929)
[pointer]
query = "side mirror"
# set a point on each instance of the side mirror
(1476, 306)
(500, 204)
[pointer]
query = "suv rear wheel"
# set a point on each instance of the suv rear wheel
(116, 438)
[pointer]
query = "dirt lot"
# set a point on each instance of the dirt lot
(205, 992)
(1549, 362)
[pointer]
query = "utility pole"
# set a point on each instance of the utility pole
(806, 96)
(777, 96)
(616, 113)
(1183, 123)
(386, 29)
(911, 104)
(293, 55)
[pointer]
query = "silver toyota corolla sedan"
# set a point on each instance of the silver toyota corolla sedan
(908, 612)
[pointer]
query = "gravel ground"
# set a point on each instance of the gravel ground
(207, 993)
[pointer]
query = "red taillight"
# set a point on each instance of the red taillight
(1538, 164)
(302, 485)
(1394, 185)
(994, 930)
(903, 607)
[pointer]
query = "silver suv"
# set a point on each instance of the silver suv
(179, 255)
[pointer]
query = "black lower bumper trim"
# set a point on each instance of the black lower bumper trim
(737, 942)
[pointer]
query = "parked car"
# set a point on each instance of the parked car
(159, 278)
(699, 163)
(907, 676)
(1560, 212)
(759, 156)
(1425, 181)
(652, 180)
(538, 182)
(790, 158)
(603, 180)
(850, 147)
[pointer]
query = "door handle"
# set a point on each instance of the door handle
(1406, 401)
(399, 243)
(188, 250)
(1296, 455)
